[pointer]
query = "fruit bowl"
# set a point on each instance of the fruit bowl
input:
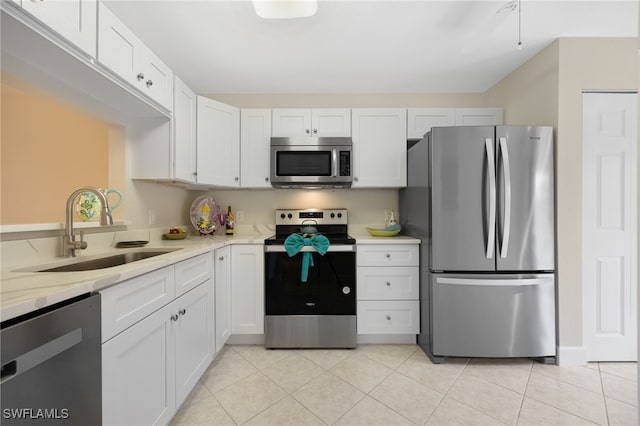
(389, 231)
(180, 236)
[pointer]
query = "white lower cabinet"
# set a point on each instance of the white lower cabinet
(388, 289)
(222, 262)
(150, 366)
(247, 289)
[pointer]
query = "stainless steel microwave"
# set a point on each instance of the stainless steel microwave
(311, 162)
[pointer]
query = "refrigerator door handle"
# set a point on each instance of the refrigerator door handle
(517, 282)
(488, 145)
(506, 226)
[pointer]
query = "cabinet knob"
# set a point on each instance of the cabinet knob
(140, 76)
(388, 318)
(149, 83)
(266, 179)
(388, 283)
(174, 317)
(236, 178)
(355, 178)
(182, 311)
(221, 258)
(315, 131)
(307, 131)
(388, 256)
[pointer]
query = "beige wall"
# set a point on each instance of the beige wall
(355, 100)
(585, 64)
(49, 149)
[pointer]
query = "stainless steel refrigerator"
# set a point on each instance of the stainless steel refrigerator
(481, 198)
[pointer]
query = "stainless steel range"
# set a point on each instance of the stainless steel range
(314, 306)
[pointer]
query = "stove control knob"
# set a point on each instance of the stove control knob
(339, 215)
(282, 216)
(346, 289)
(333, 215)
(289, 215)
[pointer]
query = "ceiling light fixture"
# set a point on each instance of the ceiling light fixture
(285, 9)
(519, 47)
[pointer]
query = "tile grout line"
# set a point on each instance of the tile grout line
(524, 393)
(604, 396)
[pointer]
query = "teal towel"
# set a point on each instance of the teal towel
(294, 243)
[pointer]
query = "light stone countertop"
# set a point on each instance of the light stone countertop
(23, 291)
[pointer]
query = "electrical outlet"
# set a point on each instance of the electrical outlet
(152, 217)
(240, 216)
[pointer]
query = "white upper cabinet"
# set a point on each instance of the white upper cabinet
(218, 136)
(75, 20)
(379, 147)
(324, 122)
(255, 134)
(184, 132)
(125, 55)
(478, 116)
(421, 120)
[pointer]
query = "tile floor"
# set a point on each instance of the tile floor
(398, 385)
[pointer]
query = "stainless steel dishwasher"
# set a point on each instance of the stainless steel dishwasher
(51, 365)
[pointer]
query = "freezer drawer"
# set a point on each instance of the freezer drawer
(493, 316)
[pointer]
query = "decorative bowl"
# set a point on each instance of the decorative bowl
(389, 231)
(180, 236)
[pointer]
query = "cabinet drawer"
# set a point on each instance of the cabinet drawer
(193, 272)
(388, 255)
(128, 302)
(389, 317)
(388, 283)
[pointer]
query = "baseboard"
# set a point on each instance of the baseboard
(246, 339)
(394, 339)
(571, 356)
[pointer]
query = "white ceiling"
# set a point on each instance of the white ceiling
(362, 46)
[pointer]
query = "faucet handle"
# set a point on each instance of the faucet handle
(82, 244)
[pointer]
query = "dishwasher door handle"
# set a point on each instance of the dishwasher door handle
(37, 356)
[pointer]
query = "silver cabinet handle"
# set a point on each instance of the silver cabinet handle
(488, 144)
(506, 226)
(174, 317)
(182, 311)
(149, 83)
(140, 76)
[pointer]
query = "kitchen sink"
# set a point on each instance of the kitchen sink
(103, 262)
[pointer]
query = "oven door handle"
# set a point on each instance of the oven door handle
(335, 248)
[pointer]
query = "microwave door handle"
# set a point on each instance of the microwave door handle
(334, 163)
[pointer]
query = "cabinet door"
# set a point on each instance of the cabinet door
(184, 132)
(218, 138)
(255, 135)
(193, 337)
(247, 289)
(223, 296)
(379, 148)
(138, 373)
(291, 122)
(158, 79)
(118, 48)
(331, 122)
(74, 20)
(421, 120)
(478, 116)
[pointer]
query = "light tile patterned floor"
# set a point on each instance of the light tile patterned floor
(398, 385)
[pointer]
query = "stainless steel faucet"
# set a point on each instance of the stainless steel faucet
(69, 243)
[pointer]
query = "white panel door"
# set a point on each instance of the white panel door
(478, 116)
(255, 148)
(247, 289)
(421, 120)
(609, 225)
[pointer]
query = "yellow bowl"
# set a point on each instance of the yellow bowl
(381, 232)
(180, 236)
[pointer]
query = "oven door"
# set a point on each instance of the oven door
(330, 288)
